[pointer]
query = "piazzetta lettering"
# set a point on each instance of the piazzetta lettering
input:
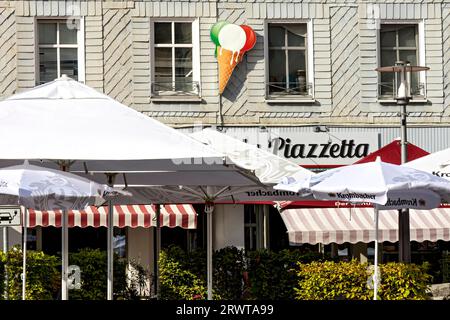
(342, 149)
(193, 310)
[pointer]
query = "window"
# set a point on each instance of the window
(399, 42)
(174, 59)
(60, 50)
(288, 73)
(255, 237)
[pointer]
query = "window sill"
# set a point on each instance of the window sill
(412, 101)
(305, 100)
(178, 99)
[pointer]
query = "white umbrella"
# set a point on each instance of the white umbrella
(387, 186)
(437, 163)
(267, 167)
(47, 189)
(68, 125)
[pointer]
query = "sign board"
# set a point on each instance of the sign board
(311, 148)
(10, 216)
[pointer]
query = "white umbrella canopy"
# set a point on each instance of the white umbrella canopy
(387, 186)
(437, 163)
(47, 189)
(67, 124)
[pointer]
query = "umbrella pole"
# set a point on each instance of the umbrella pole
(375, 277)
(110, 251)
(64, 256)
(24, 254)
(209, 208)
(158, 250)
(5, 251)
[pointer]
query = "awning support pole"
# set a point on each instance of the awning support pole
(5, 251)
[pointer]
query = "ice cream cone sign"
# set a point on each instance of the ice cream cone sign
(232, 41)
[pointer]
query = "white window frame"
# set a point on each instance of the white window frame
(80, 45)
(420, 52)
(195, 48)
(309, 57)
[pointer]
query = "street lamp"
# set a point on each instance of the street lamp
(402, 93)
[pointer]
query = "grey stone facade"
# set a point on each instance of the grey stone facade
(345, 47)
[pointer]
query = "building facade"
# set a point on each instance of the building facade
(309, 82)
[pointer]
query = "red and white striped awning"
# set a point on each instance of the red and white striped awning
(339, 225)
(124, 216)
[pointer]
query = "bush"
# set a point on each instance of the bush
(229, 266)
(93, 266)
(176, 279)
(43, 276)
(349, 280)
(404, 282)
(2, 274)
(272, 275)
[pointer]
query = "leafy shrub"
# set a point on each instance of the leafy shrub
(404, 282)
(93, 266)
(43, 276)
(229, 266)
(272, 275)
(332, 280)
(2, 274)
(349, 280)
(177, 281)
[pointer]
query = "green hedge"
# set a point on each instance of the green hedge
(272, 275)
(349, 280)
(93, 266)
(259, 275)
(43, 277)
(178, 281)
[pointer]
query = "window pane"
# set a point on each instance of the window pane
(408, 55)
(276, 36)
(163, 32)
(387, 37)
(163, 69)
(47, 65)
(411, 56)
(387, 83)
(388, 58)
(183, 33)
(296, 35)
(69, 62)
(47, 33)
(407, 36)
(297, 71)
(277, 70)
(183, 69)
(68, 32)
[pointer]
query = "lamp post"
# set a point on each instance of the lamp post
(402, 92)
